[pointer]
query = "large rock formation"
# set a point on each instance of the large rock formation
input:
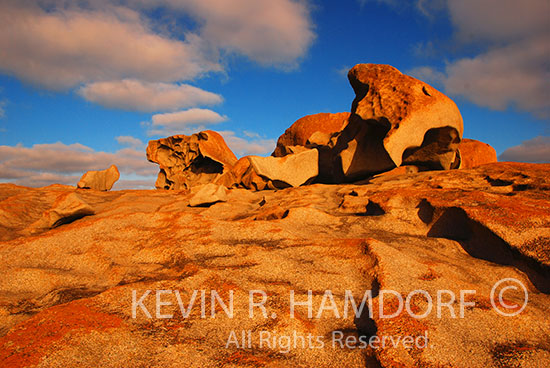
(99, 180)
(187, 161)
(395, 119)
(78, 294)
(474, 153)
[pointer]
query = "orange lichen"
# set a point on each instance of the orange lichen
(29, 341)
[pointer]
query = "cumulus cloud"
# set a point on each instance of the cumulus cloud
(427, 74)
(183, 122)
(188, 117)
(61, 48)
(59, 44)
(135, 95)
(253, 146)
(536, 150)
(514, 75)
(270, 32)
(44, 164)
(129, 141)
(512, 70)
(499, 21)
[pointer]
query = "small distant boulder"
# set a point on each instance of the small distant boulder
(208, 194)
(99, 180)
(188, 161)
(474, 153)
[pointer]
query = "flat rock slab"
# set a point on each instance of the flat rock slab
(293, 170)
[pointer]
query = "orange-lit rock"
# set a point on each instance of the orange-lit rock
(312, 130)
(66, 292)
(474, 153)
(394, 119)
(99, 180)
(187, 161)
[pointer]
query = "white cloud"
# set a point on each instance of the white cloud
(499, 21)
(44, 164)
(2, 108)
(188, 117)
(514, 75)
(242, 147)
(135, 95)
(427, 74)
(536, 150)
(271, 32)
(512, 70)
(61, 48)
(129, 141)
(183, 119)
(183, 122)
(59, 44)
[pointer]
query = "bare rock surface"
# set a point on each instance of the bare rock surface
(66, 292)
(474, 153)
(68, 207)
(208, 194)
(99, 180)
(187, 161)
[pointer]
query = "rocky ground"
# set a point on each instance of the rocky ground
(72, 260)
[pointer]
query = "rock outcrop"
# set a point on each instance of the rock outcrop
(395, 119)
(259, 173)
(99, 180)
(66, 293)
(310, 131)
(243, 175)
(474, 153)
(207, 195)
(289, 171)
(187, 161)
(67, 208)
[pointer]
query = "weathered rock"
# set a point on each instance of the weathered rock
(242, 175)
(99, 180)
(68, 207)
(208, 194)
(395, 119)
(187, 161)
(268, 213)
(474, 153)
(402, 170)
(291, 170)
(310, 131)
(66, 294)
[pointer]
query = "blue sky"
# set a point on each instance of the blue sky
(87, 84)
